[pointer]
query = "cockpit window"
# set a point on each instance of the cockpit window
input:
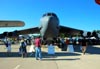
(50, 14)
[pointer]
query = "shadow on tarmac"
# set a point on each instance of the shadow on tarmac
(44, 54)
(12, 54)
(93, 50)
(52, 59)
(59, 54)
(90, 49)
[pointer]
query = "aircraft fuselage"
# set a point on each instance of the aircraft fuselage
(49, 27)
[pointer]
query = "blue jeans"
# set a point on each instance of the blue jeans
(38, 52)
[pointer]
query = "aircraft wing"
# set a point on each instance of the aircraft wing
(68, 30)
(29, 31)
(20, 32)
(63, 29)
(11, 23)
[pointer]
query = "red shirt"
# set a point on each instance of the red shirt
(37, 42)
(67, 41)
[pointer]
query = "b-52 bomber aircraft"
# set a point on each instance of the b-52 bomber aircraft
(49, 27)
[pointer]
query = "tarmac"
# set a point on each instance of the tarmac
(59, 60)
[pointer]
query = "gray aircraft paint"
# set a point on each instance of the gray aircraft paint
(49, 26)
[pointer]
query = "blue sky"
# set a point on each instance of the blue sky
(79, 14)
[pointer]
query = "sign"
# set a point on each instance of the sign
(31, 48)
(51, 49)
(70, 48)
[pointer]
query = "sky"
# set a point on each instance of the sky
(78, 14)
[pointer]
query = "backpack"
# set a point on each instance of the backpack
(23, 44)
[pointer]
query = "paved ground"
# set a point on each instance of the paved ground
(61, 59)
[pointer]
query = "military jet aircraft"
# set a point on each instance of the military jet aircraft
(49, 27)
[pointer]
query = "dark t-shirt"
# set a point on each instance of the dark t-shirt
(83, 42)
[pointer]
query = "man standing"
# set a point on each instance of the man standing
(7, 42)
(23, 49)
(37, 43)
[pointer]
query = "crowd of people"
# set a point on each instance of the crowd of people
(23, 46)
(62, 43)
